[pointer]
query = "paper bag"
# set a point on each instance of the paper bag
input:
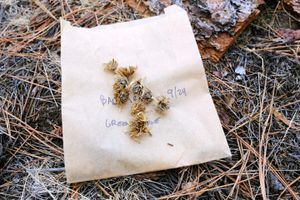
(96, 142)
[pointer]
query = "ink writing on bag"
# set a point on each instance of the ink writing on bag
(110, 123)
(172, 93)
(107, 100)
(175, 92)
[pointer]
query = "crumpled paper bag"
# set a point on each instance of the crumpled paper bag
(96, 142)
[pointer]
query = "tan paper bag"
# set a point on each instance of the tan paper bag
(96, 142)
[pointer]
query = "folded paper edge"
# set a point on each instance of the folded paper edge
(170, 10)
(173, 8)
(99, 177)
(63, 24)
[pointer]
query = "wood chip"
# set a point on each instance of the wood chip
(279, 116)
(216, 33)
(293, 4)
(139, 7)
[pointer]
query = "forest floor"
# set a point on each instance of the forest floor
(255, 88)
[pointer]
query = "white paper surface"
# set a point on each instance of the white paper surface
(96, 144)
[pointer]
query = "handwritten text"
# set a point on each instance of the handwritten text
(172, 93)
(175, 92)
(118, 123)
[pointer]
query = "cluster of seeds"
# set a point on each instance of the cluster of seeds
(121, 92)
(123, 87)
(138, 126)
(163, 104)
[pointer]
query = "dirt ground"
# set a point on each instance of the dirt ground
(255, 88)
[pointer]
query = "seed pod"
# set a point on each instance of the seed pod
(138, 126)
(126, 71)
(111, 66)
(120, 83)
(137, 88)
(163, 104)
(147, 96)
(121, 96)
(137, 107)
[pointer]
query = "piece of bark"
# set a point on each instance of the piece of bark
(216, 23)
(157, 6)
(280, 117)
(152, 6)
(293, 4)
(221, 42)
(288, 35)
(140, 7)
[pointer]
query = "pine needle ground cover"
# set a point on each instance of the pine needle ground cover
(255, 88)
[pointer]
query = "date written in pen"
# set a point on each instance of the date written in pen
(172, 93)
(176, 92)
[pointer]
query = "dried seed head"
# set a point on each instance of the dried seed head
(121, 96)
(124, 95)
(138, 126)
(137, 107)
(120, 83)
(163, 104)
(126, 71)
(121, 91)
(147, 96)
(137, 88)
(111, 66)
(123, 81)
